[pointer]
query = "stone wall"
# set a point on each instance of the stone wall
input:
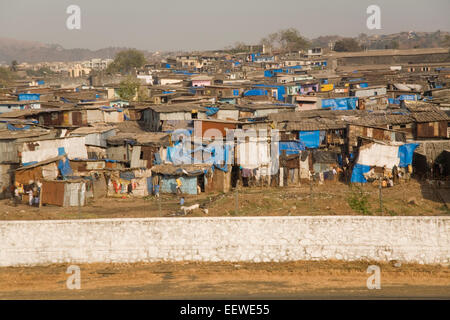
(255, 239)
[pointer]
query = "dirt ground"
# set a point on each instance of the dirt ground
(290, 280)
(412, 198)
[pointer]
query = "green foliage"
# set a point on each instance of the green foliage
(14, 65)
(127, 60)
(286, 40)
(446, 42)
(128, 88)
(359, 201)
(44, 71)
(238, 47)
(347, 45)
(6, 76)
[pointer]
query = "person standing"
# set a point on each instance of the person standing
(30, 196)
(178, 187)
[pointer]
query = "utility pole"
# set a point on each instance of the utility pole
(380, 195)
(79, 201)
(236, 201)
(159, 205)
(310, 194)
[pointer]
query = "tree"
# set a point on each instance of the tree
(128, 88)
(285, 40)
(394, 44)
(6, 76)
(347, 45)
(44, 71)
(291, 40)
(14, 65)
(126, 61)
(446, 42)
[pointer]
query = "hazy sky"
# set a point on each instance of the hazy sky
(207, 24)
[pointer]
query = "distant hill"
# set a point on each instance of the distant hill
(28, 51)
(32, 52)
(401, 40)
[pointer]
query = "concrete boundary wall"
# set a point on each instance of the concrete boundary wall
(253, 239)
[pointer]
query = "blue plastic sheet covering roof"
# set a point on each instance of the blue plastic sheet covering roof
(255, 92)
(13, 128)
(410, 97)
(29, 163)
(110, 160)
(340, 103)
(269, 73)
(281, 90)
(183, 72)
(358, 173)
(219, 154)
(41, 82)
(363, 85)
(167, 66)
(311, 139)
(235, 92)
(29, 96)
(405, 153)
(394, 101)
(291, 147)
(211, 111)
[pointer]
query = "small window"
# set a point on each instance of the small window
(403, 126)
(141, 156)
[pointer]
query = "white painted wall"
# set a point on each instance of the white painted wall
(46, 149)
(255, 239)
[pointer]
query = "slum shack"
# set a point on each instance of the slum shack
(388, 163)
(195, 178)
(43, 170)
(140, 150)
(136, 182)
(66, 193)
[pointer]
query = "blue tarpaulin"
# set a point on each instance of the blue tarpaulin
(29, 163)
(281, 90)
(29, 96)
(291, 147)
(393, 101)
(211, 111)
(340, 103)
(64, 168)
(255, 92)
(358, 173)
(13, 128)
(311, 139)
(405, 153)
(178, 155)
(409, 97)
